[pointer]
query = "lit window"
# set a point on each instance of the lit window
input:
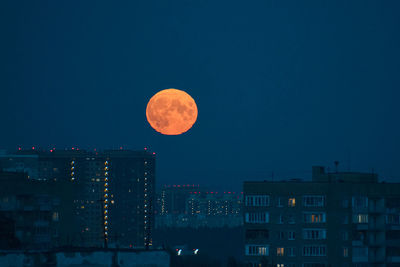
(280, 251)
(310, 217)
(292, 202)
(360, 218)
(55, 216)
(256, 250)
(345, 252)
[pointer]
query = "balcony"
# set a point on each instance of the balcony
(45, 207)
(357, 243)
(360, 258)
(394, 259)
(362, 226)
(41, 223)
(393, 227)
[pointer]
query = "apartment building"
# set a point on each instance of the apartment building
(113, 192)
(336, 219)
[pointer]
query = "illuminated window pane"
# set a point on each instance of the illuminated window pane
(292, 202)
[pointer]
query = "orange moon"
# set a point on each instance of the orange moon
(171, 112)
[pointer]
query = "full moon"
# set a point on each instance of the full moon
(171, 112)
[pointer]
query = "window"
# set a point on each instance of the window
(280, 219)
(292, 202)
(313, 201)
(280, 251)
(280, 265)
(360, 218)
(345, 252)
(345, 236)
(345, 203)
(314, 250)
(345, 219)
(55, 216)
(281, 235)
(257, 217)
(393, 219)
(257, 234)
(257, 200)
(360, 252)
(314, 217)
(359, 202)
(291, 235)
(280, 202)
(257, 250)
(314, 234)
(292, 219)
(291, 252)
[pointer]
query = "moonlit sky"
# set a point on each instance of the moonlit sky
(280, 85)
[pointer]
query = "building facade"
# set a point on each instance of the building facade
(30, 211)
(113, 191)
(337, 219)
(191, 206)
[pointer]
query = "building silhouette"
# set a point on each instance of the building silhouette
(193, 206)
(112, 192)
(336, 219)
(30, 211)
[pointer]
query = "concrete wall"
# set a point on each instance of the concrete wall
(88, 258)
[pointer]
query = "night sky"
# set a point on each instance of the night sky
(280, 85)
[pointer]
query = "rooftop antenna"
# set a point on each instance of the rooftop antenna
(349, 161)
(336, 166)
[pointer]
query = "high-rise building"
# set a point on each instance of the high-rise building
(336, 219)
(113, 191)
(31, 210)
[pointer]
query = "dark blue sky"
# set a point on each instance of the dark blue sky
(280, 85)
